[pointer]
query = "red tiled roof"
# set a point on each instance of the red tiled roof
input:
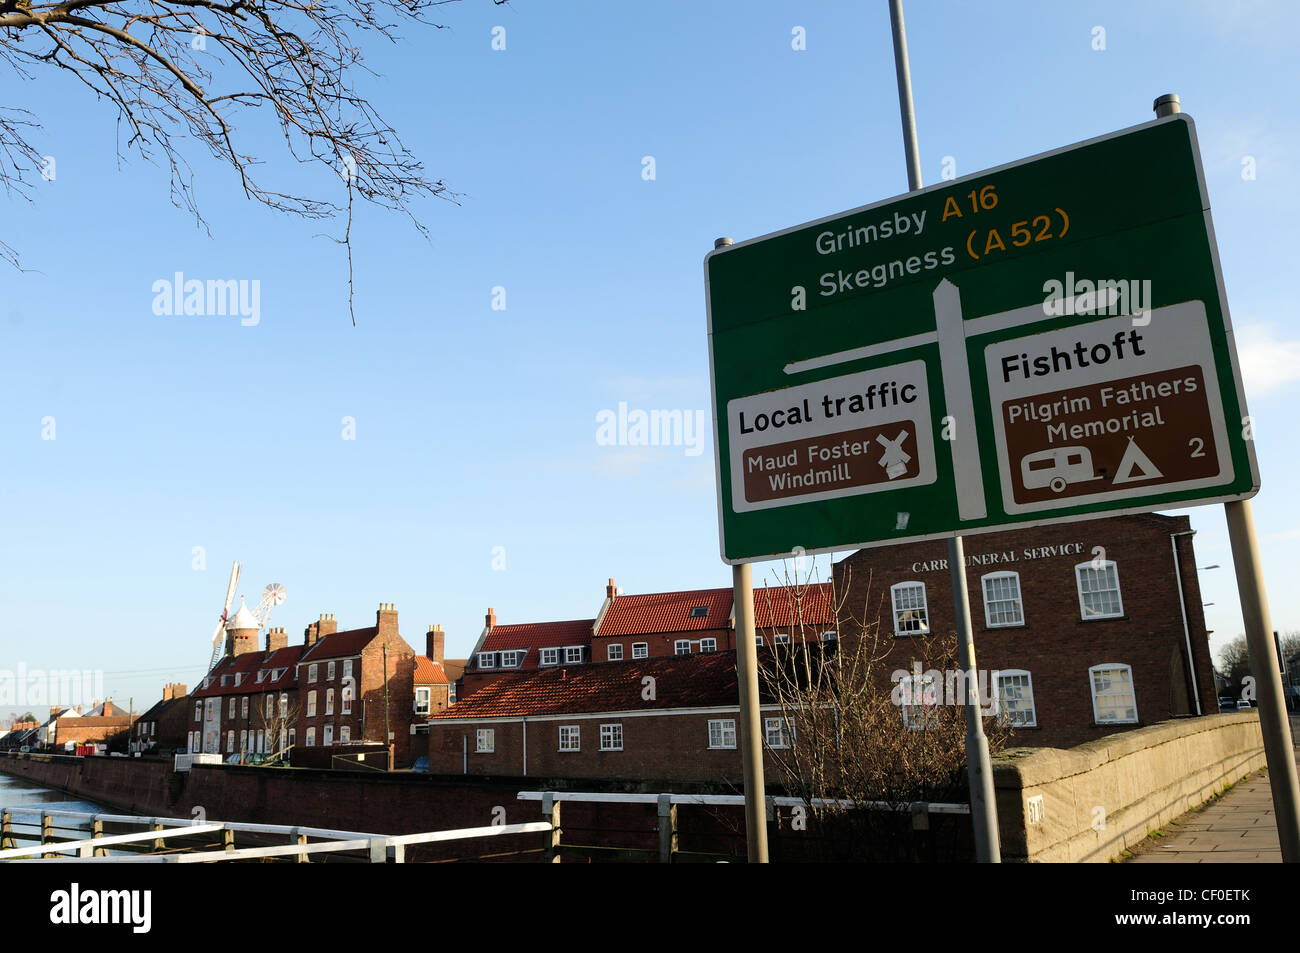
(532, 637)
(429, 672)
(249, 663)
(687, 681)
(667, 612)
(785, 607)
(340, 644)
(538, 635)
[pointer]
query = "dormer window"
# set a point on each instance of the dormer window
(512, 659)
(487, 660)
(550, 656)
(572, 654)
(699, 612)
(225, 680)
(261, 675)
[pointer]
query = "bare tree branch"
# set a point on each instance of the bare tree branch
(178, 70)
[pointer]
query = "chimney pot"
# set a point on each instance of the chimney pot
(611, 590)
(491, 618)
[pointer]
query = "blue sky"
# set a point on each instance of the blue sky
(475, 428)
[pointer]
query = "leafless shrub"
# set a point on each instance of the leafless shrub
(864, 745)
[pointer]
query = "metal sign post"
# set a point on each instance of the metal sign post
(979, 767)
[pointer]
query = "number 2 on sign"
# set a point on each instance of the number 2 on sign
(1199, 444)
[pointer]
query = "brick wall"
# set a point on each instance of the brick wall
(1055, 644)
(671, 747)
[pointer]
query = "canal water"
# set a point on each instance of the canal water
(27, 799)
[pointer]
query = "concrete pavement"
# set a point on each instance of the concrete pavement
(1238, 827)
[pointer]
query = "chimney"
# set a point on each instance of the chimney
(54, 710)
(325, 625)
(276, 639)
(611, 590)
(436, 643)
(386, 617)
(490, 620)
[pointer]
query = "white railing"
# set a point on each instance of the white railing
(380, 848)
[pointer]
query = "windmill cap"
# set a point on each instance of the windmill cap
(243, 619)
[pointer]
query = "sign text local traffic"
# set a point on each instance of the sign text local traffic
(1043, 342)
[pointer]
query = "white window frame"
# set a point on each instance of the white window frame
(270, 707)
(640, 649)
(1098, 566)
(284, 705)
(427, 695)
(231, 708)
(682, 644)
(345, 696)
(345, 734)
(311, 738)
(243, 707)
(513, 658)
(720, 731)
(1019, 600)
(230, 741)
(327, 735)
(708, 645)
(311, 672)
(311, 704)
(243, 740)
(1132, 692)
(999, 704)
(198, 711)
(924, 608)
(329, 671)
(611, 736)
(926, 692)
(485, 741)
(487, 659)
(614, 651)
(781, 638)
(347, 668)
(329, 701)
(573, 655)
(830, 635)
(780, 730)
(550, 656)
(570, 738)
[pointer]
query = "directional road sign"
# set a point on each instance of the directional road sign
(1042, 342)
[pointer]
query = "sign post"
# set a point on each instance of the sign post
(947, 309)
(1042, 342)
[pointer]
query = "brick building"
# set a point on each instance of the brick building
(327, 692)
(165, 725)
(1081, 630)
(650, 625)
(1092, 627)
(96, 726)
(663, 718)
(435, 676)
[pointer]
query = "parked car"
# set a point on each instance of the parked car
(1242, 704)
(1227, 703)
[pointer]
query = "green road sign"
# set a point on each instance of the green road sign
(1042, 342)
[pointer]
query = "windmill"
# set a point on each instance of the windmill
(272, 596)
(219, 633)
